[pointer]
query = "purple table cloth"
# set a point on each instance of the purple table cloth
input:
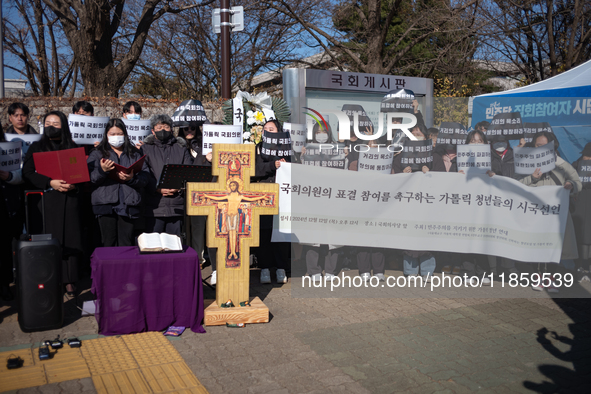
(146, 292)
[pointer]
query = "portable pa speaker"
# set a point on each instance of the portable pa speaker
(39, 285)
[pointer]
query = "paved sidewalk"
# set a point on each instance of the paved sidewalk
(378, 345)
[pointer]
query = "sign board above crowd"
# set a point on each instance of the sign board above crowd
(328, 91)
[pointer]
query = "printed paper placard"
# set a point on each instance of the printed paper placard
(25, 139)
(507, 125)
(528, 159)
(276, 146)
(298, 135)
(399, 100)
(137, 130)
(86, 130)
(324, 155)
(584, 171)
(10, 156)
(417, 154)
(190, 111)
(474, 158)
(452, 133)
(375, 160)
(530, 129)
(220, 134)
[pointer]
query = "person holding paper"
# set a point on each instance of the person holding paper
(18, 116)
(503, 164)
(474, 264)
(194, 139)
(12, 219)
(562, 175)
(116, 194)
(164, 208)
(62, 218)
(582, 209)
(445, 160)
(397, 167)
(315, 254)
(269, 156)
(415, 262)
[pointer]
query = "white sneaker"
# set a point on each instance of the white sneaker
(486, 281)
(537, 287)
(426, 278)
(329, 277)
(381, 277)
(281, 277)
(265, 276)
(316, 278)
(365, 276)
(214, 278)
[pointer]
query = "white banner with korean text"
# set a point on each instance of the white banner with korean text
(435, 211)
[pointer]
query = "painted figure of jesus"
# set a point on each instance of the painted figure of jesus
(234, 199)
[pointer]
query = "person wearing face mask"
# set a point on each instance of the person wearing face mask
(474, 264)
(581, 214)
(421, 135)
(164, 208)
(116, 196)
(132, 111)
(566, 176)
(193, 136)
(269, 156)
(415, 262)
(61, 200)
(315, 254)
(503, 164)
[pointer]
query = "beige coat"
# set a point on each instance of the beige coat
(564, 172)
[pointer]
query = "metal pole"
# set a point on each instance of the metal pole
(225, 36)
(1, 54)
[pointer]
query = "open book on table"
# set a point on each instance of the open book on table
(156, 242)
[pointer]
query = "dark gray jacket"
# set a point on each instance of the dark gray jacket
(158, 154)
(105, 190)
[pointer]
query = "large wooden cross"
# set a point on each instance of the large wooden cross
(233, 207)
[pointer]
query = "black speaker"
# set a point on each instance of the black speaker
(39, 285)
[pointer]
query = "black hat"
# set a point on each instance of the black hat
(587, 150)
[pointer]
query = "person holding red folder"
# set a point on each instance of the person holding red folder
(62, 219)
(117, 184)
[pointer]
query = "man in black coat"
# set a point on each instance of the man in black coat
(164, 208)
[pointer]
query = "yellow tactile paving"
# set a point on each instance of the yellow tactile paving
(138, 363)
(167, 377)
(107, 355)
(151, 348)
(67, 364)
(121, 382)
(24, 377)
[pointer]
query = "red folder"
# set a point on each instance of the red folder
(136, 167)
(68, 165)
